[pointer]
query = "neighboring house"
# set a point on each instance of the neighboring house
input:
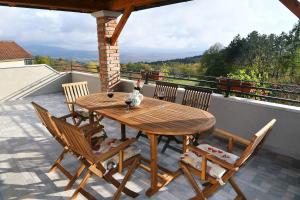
(13, 55)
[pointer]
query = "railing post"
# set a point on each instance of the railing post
(146, 77)
(228, 84)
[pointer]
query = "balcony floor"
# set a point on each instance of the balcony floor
(28, 150)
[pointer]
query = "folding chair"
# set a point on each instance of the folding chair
(109, 156)
(72, 92)
(217, 167)
(47, 121)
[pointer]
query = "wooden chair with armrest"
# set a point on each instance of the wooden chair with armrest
(170, 92)
(73, 91)
(217, 167)
(197, 97)
(89, 129)
(111, 157)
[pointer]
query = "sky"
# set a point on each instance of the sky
(190, 26)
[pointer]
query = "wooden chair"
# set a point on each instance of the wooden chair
(197, 97)
(215, 166)
(99, 163)
(170, 90)
(72, 92)
(47, 121)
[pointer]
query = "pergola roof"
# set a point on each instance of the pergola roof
(88, 6)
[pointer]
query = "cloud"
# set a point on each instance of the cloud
(187, 26)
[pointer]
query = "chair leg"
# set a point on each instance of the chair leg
(192, 181)
(138, 135)
(75, 177)
(166, 145)
(126, 178)
(81, 185)
(159, 139)
(109, 178)
(58, 160)
(240, 195)
(176, 140)
(79, 121)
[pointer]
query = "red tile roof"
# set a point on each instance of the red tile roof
(10, 50)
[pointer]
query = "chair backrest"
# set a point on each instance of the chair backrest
(45, 118)
(170, 90)
(75, 138)
(256, 140)
(197, 97)
(74, 91)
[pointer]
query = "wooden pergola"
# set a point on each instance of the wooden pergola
(106, 13)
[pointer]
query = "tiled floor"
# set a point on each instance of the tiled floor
(27, 150)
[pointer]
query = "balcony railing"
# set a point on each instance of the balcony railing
(264, 91)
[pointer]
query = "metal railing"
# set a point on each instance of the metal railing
(266, 91)
(79, 68)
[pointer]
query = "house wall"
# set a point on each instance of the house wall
(12, 63)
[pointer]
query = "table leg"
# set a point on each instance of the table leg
(91, 117)
(186, 142)
(123, 132)
(153, 165)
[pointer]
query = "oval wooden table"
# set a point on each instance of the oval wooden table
(154, 117)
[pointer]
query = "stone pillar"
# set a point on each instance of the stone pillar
(109, 59)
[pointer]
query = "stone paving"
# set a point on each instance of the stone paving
(27, 151)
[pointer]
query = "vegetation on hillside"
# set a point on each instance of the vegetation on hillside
(257, 57)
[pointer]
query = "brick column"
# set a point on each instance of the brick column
(109, 59)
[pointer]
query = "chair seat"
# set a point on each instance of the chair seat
(213, 170)
(102, 144)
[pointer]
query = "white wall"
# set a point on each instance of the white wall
(12, 63)
(244, 117)
(18, 82)
(92, 79)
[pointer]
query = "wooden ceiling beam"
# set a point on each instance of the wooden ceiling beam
(121, 25)
(120, 5)
(86, 6)
(292, 5)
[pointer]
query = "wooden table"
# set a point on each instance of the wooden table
(154, 120)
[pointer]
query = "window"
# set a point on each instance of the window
(28, 61)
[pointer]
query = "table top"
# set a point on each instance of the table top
(149, 116)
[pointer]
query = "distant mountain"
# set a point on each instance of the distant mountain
(189, 60)
(57, 52)
(127, 54)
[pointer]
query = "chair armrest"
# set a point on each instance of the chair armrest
(212, 158)
(115, 150)
(226, 134)
(90, 129)
(69, 102)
